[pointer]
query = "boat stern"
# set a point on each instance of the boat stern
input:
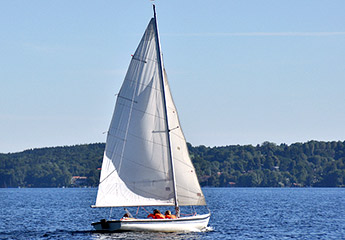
(106, 226)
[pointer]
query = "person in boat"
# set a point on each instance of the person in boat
(156, 215)
(169, 215)
(126, 217)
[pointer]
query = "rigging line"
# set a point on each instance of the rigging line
(145, 210)
(111, 210)
(188, 214)
(137, 211)
(194, 210)
(107, 176)
(126, 210)
(161, 78)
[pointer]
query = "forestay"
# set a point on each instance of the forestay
(136, 169)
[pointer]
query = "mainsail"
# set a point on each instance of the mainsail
(137, 168)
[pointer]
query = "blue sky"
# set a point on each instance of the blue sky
(241, 72)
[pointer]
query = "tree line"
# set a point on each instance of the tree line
(310, 164)
(51, 167)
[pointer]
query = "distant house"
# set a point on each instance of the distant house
(232, 184)
(78, 181)
(296, 185)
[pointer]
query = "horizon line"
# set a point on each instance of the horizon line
(197, 145)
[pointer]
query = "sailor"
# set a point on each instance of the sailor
(126, 217)
(169, 215)
(156, 215)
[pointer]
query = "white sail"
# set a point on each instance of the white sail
(136, 168)
(188, 188)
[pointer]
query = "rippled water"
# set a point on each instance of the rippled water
(237, 213)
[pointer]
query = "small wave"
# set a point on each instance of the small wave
(64, 233)
(208, 229)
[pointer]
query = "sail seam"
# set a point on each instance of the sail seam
(140, 60)
(176, 135)
(150, 181)
(127, 128)
(154, 195)
(188, 197)
(143, 139)
(132, 161)
(128, 99)
(136, 109)
(142, 84)
(189, 190)
(179, 160)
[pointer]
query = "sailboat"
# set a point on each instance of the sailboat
(146, 160)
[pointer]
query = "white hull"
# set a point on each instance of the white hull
(184, 224)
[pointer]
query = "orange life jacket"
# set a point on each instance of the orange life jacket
(159, 216)
(170, 216)
(151, 216)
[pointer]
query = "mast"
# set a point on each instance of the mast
(160, 66)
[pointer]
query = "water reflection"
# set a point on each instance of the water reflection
(147, 235)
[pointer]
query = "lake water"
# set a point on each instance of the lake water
(237, 213)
